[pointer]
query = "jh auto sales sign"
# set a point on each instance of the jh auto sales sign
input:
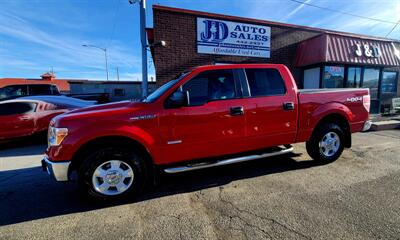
(231, 38)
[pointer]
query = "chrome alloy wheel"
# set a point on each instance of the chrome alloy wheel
(329, 144)
(112, 177)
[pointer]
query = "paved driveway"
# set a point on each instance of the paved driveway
(356, 197)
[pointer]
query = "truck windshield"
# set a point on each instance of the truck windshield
(161, 90)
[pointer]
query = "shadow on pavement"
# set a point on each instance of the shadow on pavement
(29, 194)
(32, 145)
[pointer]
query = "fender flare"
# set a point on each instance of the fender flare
(328, 109)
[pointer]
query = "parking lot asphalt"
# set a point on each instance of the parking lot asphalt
(286, 197)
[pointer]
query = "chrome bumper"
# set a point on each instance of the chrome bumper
(59, 170)
(367, 126)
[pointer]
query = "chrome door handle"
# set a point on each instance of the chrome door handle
(237, 111)
(288, 106)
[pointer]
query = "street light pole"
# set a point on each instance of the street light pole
(143, 40)
(105, 55)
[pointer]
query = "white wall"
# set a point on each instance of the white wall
(311, 78)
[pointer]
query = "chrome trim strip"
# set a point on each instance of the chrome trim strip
(226, 162)
(59, 170)
(327, 90)
(367, 126)
(174, 142)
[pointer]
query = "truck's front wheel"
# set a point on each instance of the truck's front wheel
(326, 143)
(112, 173)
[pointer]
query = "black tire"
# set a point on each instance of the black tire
(313, 145)
(135, 161)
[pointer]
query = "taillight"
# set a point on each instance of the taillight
(367, 102)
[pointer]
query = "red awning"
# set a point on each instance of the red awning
(332, 48)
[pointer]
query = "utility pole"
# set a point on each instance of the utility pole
(117, 74)
(105, 55)
(143, 40)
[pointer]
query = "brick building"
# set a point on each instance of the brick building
(316, 57)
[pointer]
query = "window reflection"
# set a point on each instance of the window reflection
(371, 81)
(389, 83)
(353, 77)
(333, 77)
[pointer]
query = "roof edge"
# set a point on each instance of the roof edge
(253, 20)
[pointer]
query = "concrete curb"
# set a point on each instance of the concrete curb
(385, 125)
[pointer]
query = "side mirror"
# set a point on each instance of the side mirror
(177, 99)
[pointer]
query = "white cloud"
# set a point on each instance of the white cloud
(294, 11)
(41, 46)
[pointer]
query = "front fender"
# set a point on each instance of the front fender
(71, 145)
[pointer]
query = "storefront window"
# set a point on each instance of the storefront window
(333, 77)
(353, 77)
(389, 83)
(371, 81)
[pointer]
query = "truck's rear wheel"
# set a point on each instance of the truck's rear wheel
(326, 143)
(112, 173)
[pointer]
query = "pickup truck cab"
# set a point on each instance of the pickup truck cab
(209, 116)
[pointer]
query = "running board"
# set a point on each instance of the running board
(287, 149)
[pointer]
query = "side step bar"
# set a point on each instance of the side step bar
(287, 149)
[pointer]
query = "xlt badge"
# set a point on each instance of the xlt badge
(143, 117)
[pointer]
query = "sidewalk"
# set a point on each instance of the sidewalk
(380, 122)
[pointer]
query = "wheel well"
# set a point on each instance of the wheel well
(108, 141)
(342, 122)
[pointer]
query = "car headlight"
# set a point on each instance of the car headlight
(56, 135)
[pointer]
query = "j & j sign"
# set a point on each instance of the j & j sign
(230, 38)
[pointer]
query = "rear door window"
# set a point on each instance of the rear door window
(17, 108)
(39, 90)
(54, 90)
(265, 82)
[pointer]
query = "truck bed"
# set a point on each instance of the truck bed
(315, 103)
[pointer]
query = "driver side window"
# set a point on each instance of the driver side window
(209, 86)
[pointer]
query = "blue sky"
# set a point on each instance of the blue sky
(37, 35)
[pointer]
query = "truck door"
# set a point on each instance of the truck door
(17, 119)
(272, 109)
(213, 122)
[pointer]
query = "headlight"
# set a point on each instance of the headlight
(56, 135)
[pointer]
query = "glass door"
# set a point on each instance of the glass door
(388, 89)
(371, 81)
(353, 77)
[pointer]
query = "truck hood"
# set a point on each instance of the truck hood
(103, 112)
(102, 107)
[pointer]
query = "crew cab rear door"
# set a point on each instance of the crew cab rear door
(272, 107)
(212, 124)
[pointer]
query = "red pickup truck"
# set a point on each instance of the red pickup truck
(209, 116)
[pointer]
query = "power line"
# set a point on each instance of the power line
(342, 12)
(393, 28)
(114, 22)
